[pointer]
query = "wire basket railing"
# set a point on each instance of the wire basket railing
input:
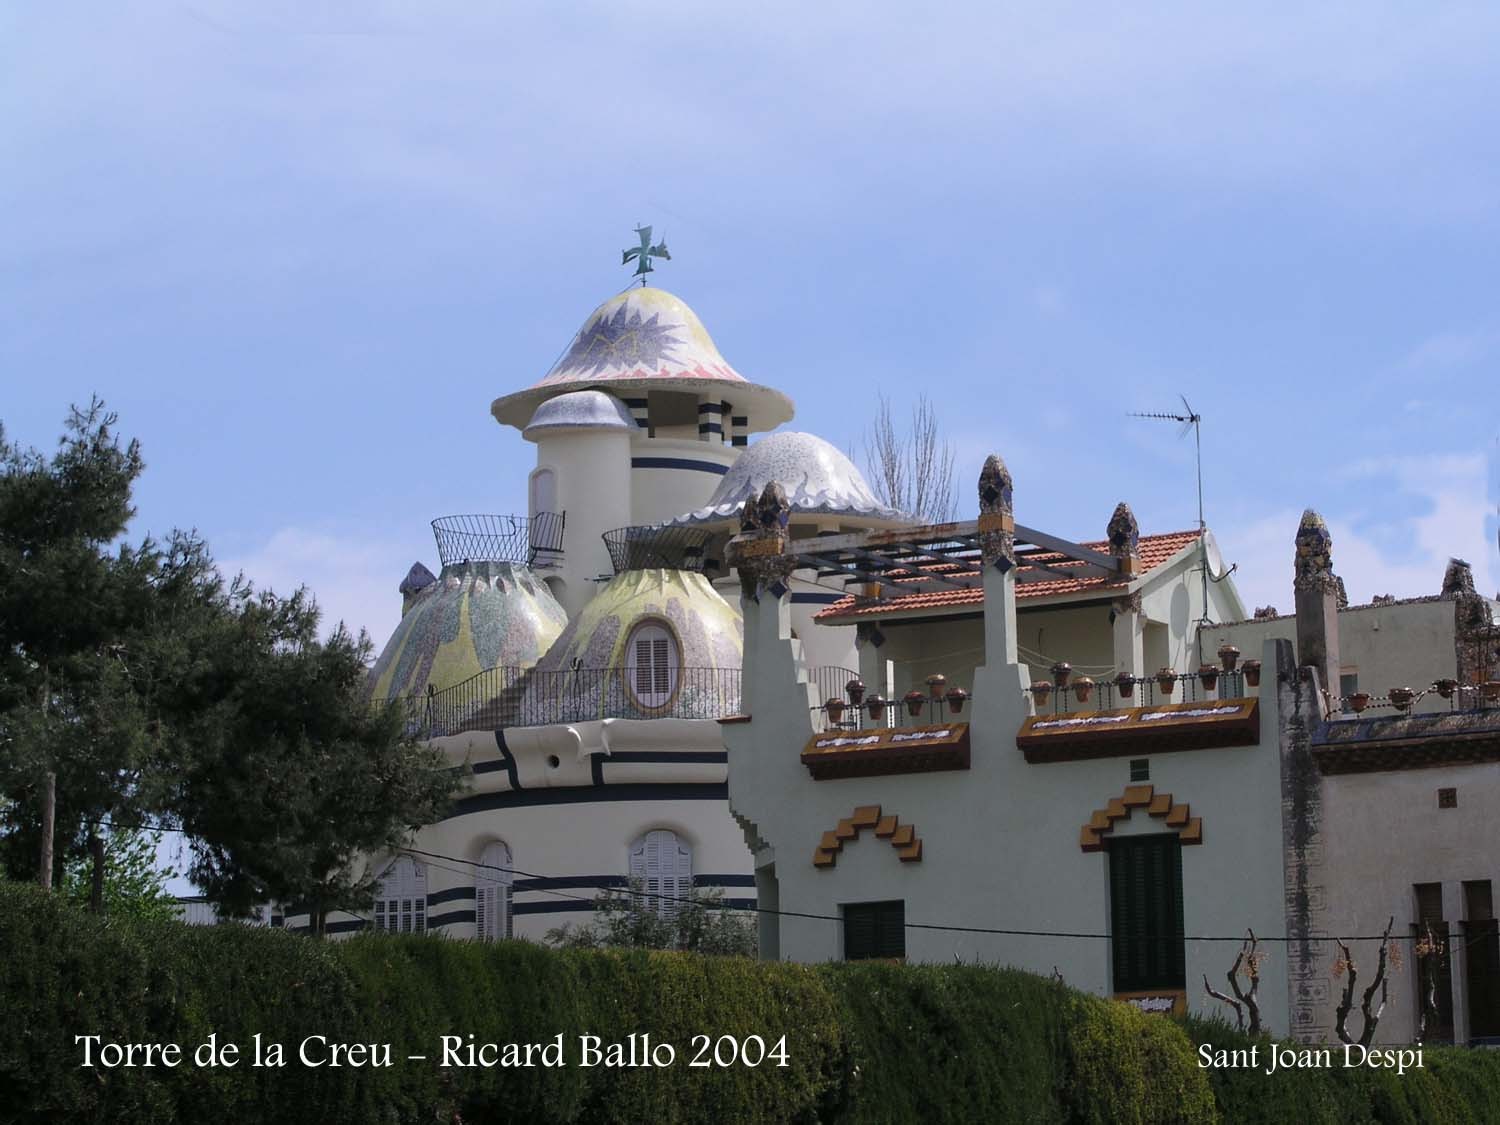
(527, 541)
(650, 547)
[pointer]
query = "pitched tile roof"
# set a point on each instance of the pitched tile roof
(1154, 551)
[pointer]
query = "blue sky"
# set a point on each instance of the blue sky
(301, 246)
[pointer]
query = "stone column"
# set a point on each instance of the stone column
(1316, 590)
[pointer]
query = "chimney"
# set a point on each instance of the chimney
(417, 579)
(1316, 589)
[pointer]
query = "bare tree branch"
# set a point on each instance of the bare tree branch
(1371, 1020)
(912, 472)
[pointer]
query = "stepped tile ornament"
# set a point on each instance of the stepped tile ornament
(817, 479)
(887, 827)
(1313, 565)
(758, 552)
(1124, 533)
(997, 524)
(473, 617)
(1101, 822)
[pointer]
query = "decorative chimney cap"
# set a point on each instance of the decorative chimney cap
(1313, 564)
(996, 490)
(1123, 532)
(1458, 580)
(417, 579)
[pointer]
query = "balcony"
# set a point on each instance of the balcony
(533, 542)
(652, 547)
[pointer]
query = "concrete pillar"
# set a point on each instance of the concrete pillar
(1315, 589)
(711, 420)
(1130, 636)
(997, 549)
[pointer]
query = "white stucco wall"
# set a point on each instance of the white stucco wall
(659, 494)
(592, 482)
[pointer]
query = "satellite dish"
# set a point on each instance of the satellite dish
(1211, 556)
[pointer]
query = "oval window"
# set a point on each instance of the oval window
(652, 664)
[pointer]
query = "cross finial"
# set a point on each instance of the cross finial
(644, 253)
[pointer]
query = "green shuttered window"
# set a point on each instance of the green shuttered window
(1145, 898)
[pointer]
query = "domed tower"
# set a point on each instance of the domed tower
(636, 423)
(485, 612)
(828, 495)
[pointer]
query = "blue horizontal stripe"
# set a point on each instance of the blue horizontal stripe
(581, 795)
(717, 756)
(437, 898)
(452, 918)
(557, 907)
(678, 463)
(806, 598)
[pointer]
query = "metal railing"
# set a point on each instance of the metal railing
(1080, 694)
(534, 541)
(649, 547)
(503, 697)
(861, 708)
(1456, 697)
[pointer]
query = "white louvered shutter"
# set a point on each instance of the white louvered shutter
(653, 664)
(401, 904)
(492, 883)
(664, 865)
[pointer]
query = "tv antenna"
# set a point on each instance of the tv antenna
(1192, 420)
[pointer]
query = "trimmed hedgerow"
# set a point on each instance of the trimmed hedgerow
(864, 1042)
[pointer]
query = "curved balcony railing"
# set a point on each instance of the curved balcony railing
(534, 541)
(650, 548)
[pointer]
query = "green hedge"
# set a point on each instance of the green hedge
(866, 1043)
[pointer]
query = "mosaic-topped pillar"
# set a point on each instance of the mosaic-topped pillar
(997, 547)
(1475, 639)
(1124, 536)
(1316, 590)
(711, 413)
(758, 552)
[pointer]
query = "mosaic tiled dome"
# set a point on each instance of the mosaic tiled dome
(582, 667)
(476, 616)
(641, 340)
(579, 410)
(819, 480)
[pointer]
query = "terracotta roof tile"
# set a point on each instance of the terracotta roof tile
(1154, 551)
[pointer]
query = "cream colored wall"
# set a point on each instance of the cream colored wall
(1404, 645)
(1080, 636)
(659, 495)
(593, 482)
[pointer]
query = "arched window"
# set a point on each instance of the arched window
(543, 491)
(492, 882)
(652, 662)
(664, 864)
(401, 901)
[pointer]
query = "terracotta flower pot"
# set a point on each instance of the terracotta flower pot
(1126, 683)
(1166, 680)
(1083, 687)
(1490, 690)
(1358, 701)
(876, 707)
(855, 690)
(1401, 698)
(914, 701)
(1208, 676)
(1445, 687)
(835, 708)
(1060, 672)
(1229, 656)
(956, 697)
(937, 685)
(1042, 690)
(1252, 672)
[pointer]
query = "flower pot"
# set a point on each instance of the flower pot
(855, 690)
(835, 708)
(876, 707)
(1083, 687)
(1402, 698)
(1358, 701)
(1041, 689)
(956, 698)
(1060, 673)
(1445, 687)
(1490, 690)
(1252, 672)
(937, 685)
(1229, 656)
(1166, 680)
(914, 701)
(1208, 676)
(1126, 683)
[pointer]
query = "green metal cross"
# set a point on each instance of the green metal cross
(644, 253)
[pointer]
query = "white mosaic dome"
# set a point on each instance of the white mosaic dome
(818, 479)
(579, 410)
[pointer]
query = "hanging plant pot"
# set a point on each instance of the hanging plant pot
(914, 701)
(1083, 687)
(937, 685)
(876, 707)
(1060, 672)
(1208, 676)
(1166, 680)
(1358, 701)
(1445, 687)
(1126, 683)
(1229, 656)
(1042, 690)
(1252, 672)
(1490, 690)
(835, 708)
(956, 698)
(855, 690)
(1402, 698)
